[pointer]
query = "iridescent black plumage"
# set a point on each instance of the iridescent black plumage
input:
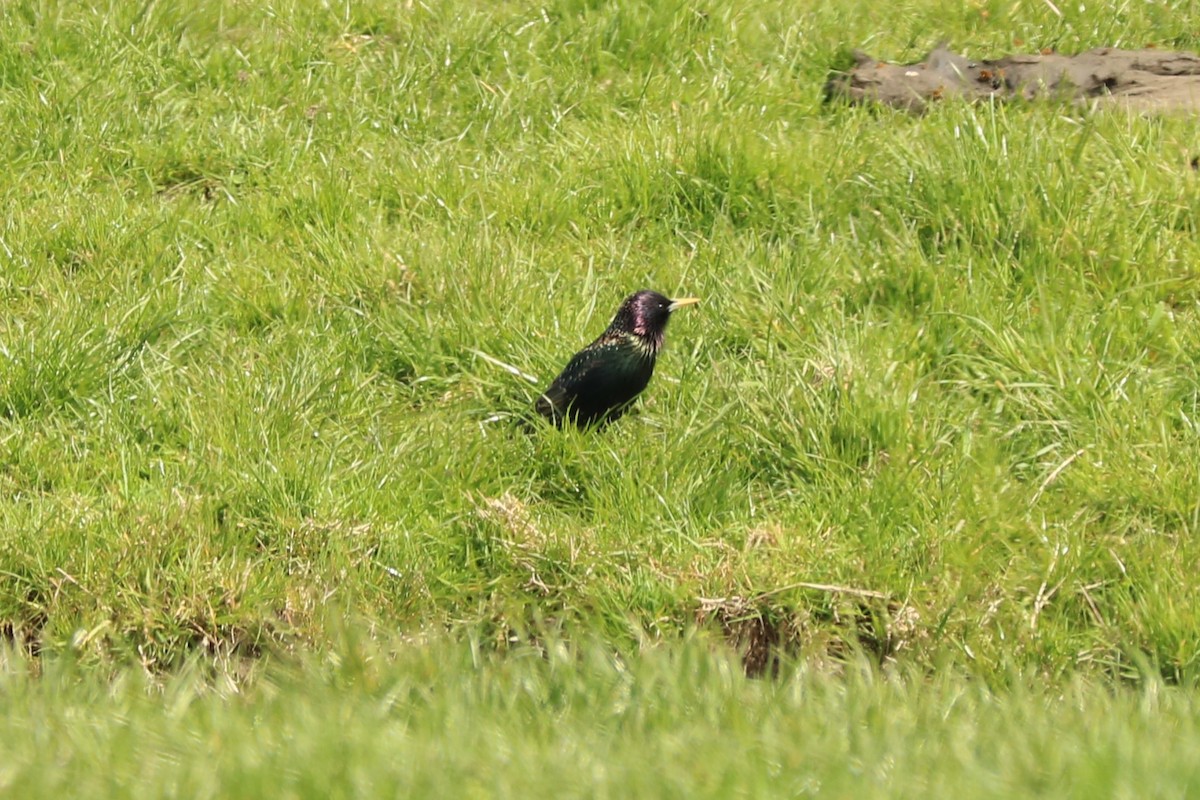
(602, 379)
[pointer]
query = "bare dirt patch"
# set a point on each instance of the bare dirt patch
(1142, 80)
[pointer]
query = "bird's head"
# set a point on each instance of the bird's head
(645, 314)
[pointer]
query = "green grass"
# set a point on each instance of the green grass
(449, 720)
(259, 262)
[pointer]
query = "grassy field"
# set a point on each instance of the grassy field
(678, 721)
(931, 436)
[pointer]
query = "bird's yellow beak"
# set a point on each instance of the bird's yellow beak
(685, 301)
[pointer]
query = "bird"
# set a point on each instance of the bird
(603, 379)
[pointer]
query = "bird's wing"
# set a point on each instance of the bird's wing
(598, 378)
(587, 367)
(552, 402)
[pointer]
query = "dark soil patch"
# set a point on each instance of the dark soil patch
(764, 630)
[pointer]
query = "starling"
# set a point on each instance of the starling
(602, 379)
